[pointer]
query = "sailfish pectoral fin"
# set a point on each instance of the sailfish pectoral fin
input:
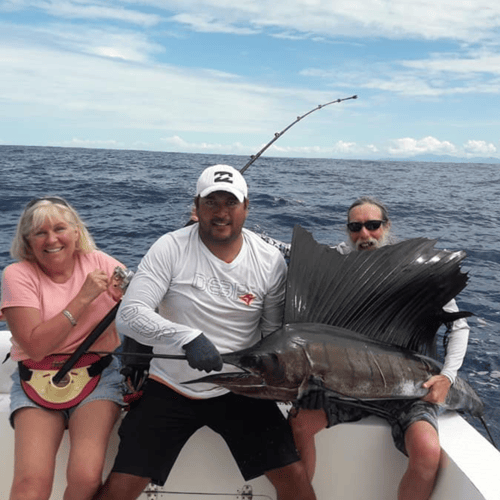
(312, 395)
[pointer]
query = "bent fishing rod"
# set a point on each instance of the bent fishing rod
(107, 320)
(277, 135)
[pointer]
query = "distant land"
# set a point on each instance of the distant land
(417, 158)
(445, 159)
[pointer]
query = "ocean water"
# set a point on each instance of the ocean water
(130, 198)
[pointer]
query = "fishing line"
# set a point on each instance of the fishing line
(483, 421)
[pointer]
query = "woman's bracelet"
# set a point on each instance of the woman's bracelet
(70, 317)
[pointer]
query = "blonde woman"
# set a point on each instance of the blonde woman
(52, 298)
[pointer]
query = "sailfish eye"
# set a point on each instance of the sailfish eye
(266, 364)
(251, 361)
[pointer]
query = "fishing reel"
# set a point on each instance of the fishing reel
(123, 276)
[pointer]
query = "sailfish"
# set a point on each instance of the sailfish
(360, 326)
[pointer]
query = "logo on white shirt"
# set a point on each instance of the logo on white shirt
(248, 298)
(223, 288)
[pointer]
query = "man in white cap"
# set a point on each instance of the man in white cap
(203, 290)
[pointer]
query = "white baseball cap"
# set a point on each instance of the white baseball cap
(222, 178)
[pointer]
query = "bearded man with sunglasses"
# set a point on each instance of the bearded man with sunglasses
(414, 429)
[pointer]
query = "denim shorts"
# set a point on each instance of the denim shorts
(399, 413)
(111, 387)
(418, 411)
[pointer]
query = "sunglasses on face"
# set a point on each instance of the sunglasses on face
(371, 225)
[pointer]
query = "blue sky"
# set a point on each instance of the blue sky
(219, 76)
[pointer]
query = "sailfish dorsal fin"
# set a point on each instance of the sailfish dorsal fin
(394, 294)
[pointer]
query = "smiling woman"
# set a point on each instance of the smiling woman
(53, 245)
(52, 298)
(48, 210)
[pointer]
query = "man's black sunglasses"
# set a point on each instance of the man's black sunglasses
(371, 225)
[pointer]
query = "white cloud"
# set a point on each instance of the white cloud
(438, 75)
(92, 10)
(404, 84)
(340, 148)
(13, 5)
(425, 19)
(181, 144)
(99, 92)
(470, 62)
(210, 24)
(408, 146)
(345, 147)
(89, 143)
(122, 45)
(102, 41)
(372, 148)
(421, 19)
(481, 148)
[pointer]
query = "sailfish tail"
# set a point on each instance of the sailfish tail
(462, 396)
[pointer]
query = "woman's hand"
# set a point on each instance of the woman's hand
(95, 283)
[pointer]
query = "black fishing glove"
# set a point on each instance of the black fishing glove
(202, 354)
(314, 397)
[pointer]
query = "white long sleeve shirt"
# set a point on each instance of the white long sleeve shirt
(181, 289)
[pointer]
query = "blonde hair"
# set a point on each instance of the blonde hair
(35, 214)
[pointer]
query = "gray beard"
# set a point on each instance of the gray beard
(386, 239)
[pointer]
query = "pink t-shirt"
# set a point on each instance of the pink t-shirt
(24, 284)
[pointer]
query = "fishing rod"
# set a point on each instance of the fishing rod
(86, 344)
(107, 320)
(277, 135)
(141, 354)
(123, 276)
